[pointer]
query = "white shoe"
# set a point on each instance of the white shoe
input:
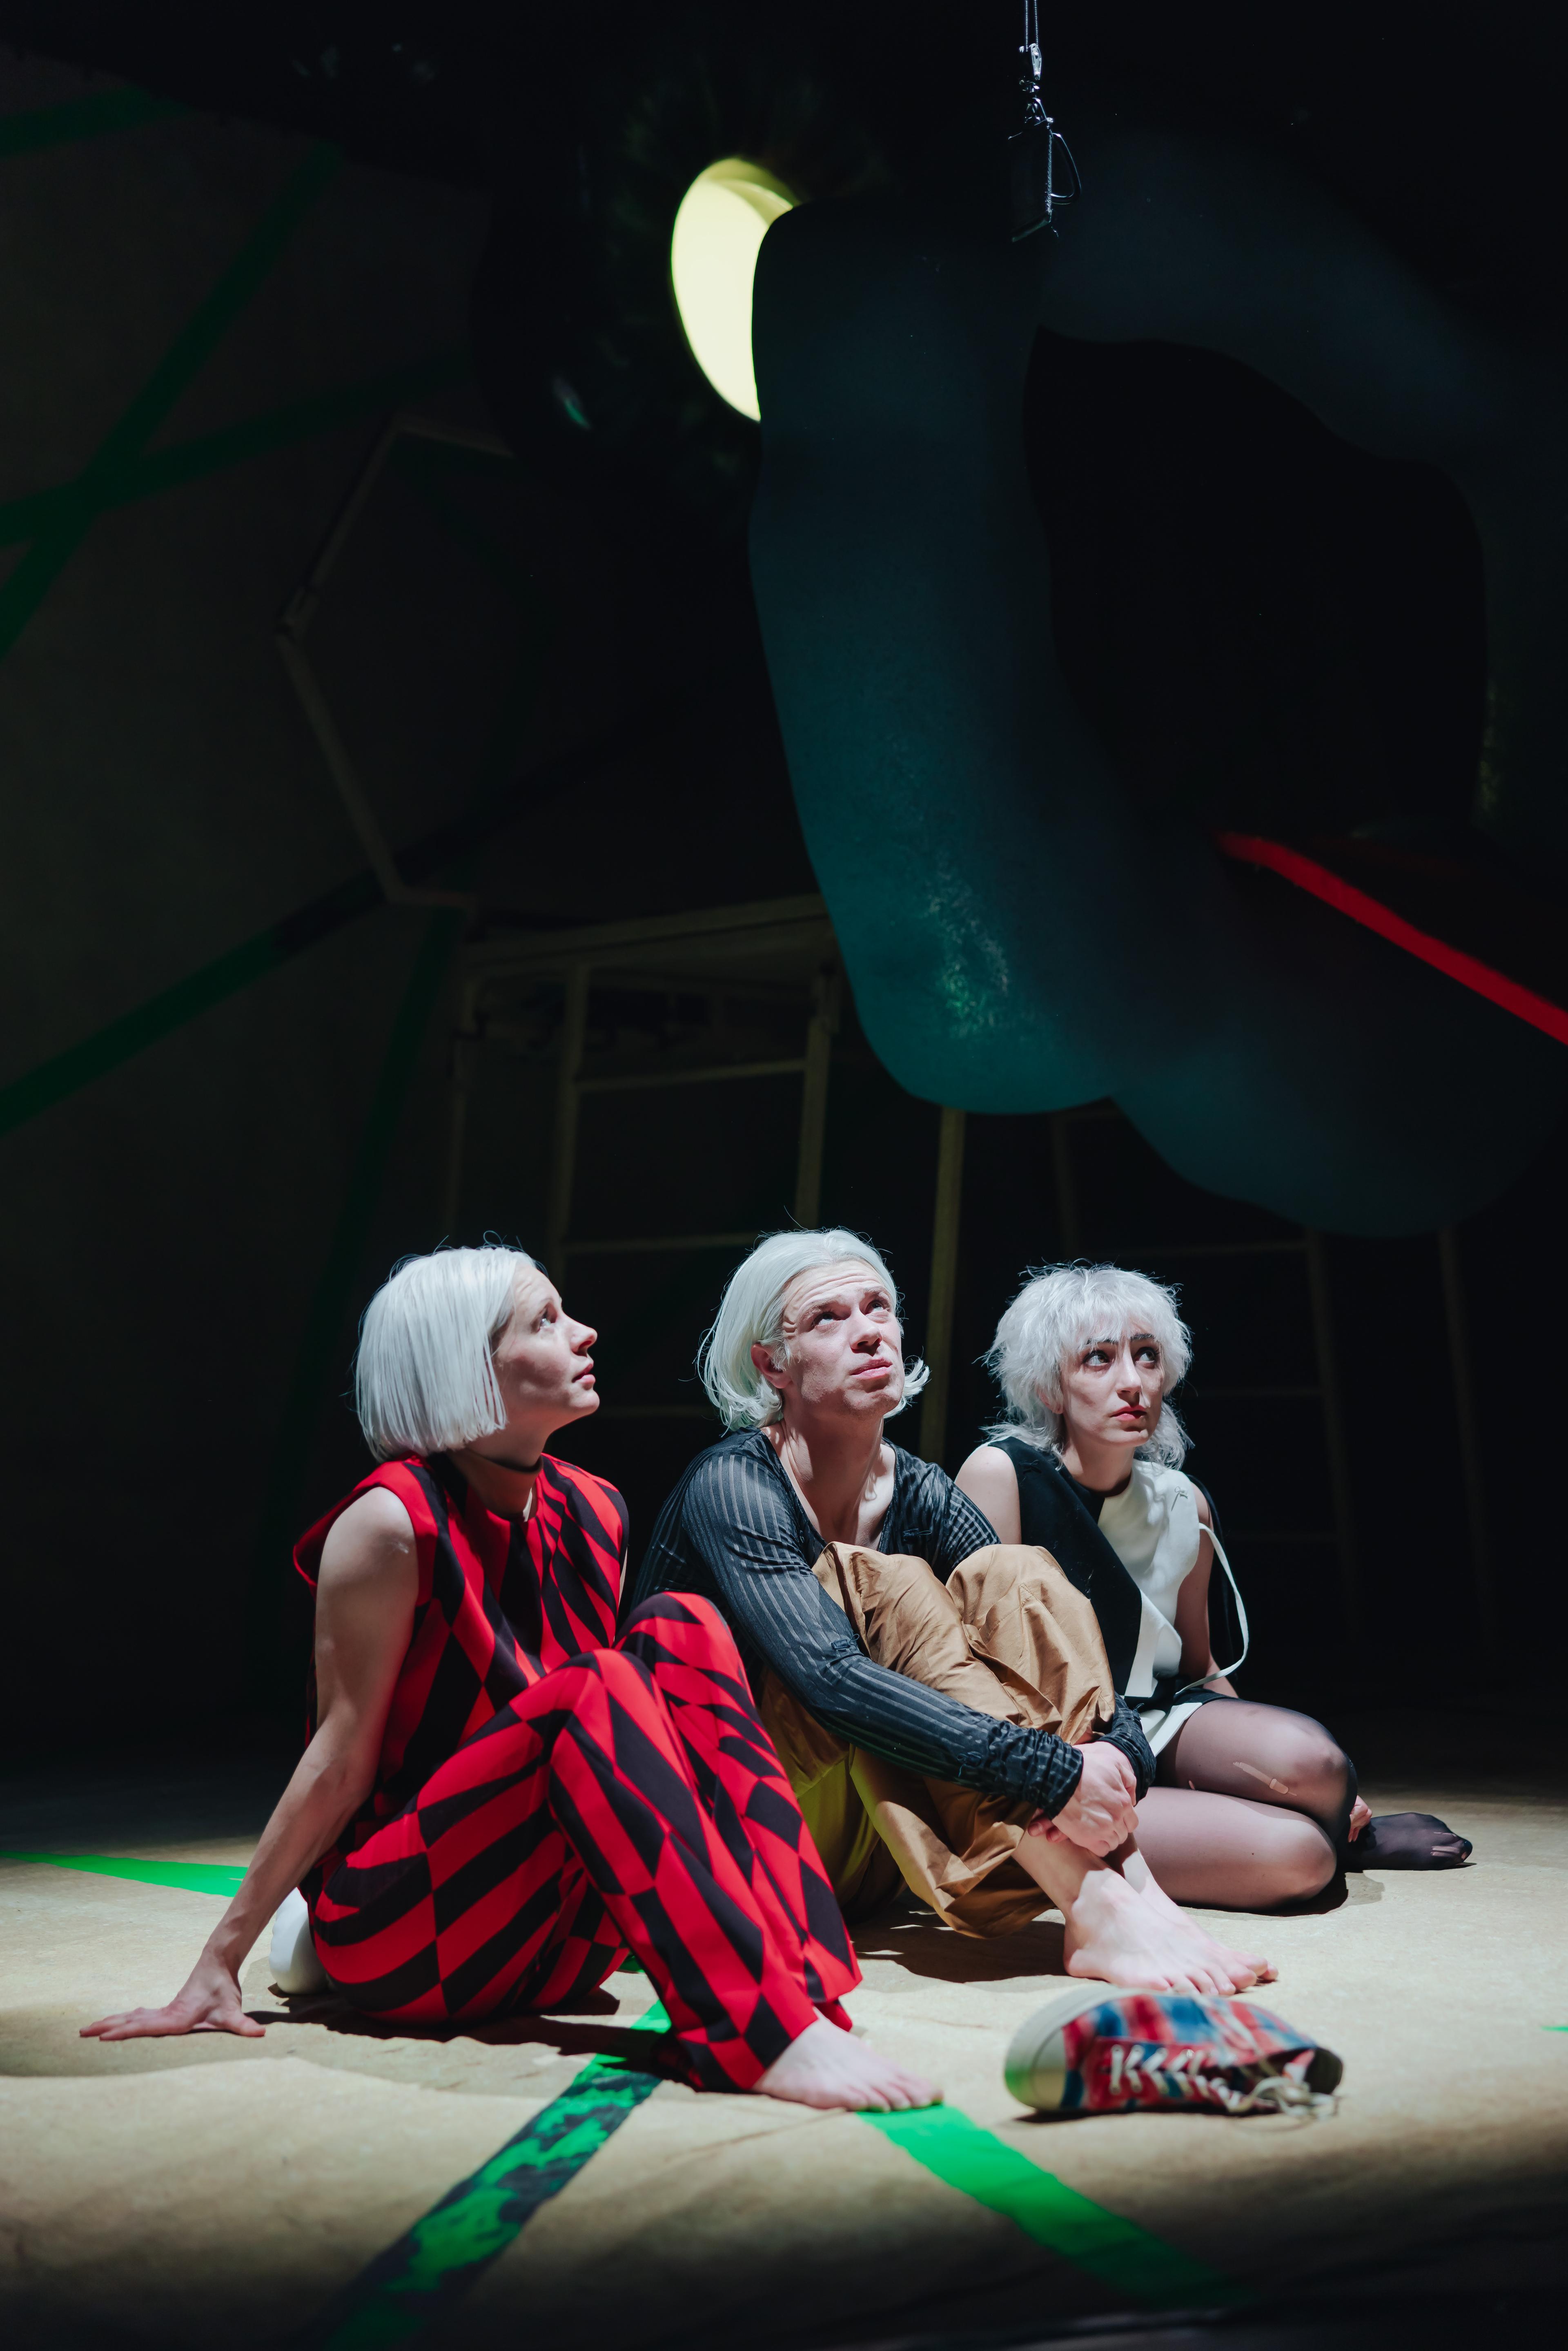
(291, 1954)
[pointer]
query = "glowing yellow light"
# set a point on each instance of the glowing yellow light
(724, 216)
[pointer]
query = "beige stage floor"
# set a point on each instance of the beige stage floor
(218, 2191)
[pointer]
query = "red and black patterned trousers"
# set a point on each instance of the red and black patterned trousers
(632, 1800)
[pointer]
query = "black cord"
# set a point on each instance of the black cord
(1033, 109)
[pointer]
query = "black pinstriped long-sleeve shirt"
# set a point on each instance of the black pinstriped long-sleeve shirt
(734, 1531)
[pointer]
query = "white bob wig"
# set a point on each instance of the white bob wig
(424, 1378)
(1061, 1310)
(751, 1314)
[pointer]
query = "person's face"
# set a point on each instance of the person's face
(843, 1344)
(1111, 1389)
(542, 1367)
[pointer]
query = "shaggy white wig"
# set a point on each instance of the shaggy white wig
(424, 1380)
(1062, 1310)
(751, 1313)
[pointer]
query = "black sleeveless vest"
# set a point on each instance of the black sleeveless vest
(1053, 1513)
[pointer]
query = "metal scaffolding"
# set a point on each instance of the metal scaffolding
(779, 951)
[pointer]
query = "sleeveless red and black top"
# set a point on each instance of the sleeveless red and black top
(498, 1605)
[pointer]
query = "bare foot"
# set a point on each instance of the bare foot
(825, 2067)
(1239, 1969)
(1243, 1968)
(1119, 1934)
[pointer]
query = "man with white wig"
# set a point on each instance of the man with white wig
(1253, 1805)
(501, 1800)
(942, 1703)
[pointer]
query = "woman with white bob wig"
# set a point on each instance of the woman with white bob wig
(502, 1799)
(1252, 1804)
(942, 1704)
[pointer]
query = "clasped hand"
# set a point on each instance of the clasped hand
(1103, 1810)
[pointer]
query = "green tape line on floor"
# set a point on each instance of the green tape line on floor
(441, 2256)
(220, 1877)
(1133, 2264)
(410, 2285)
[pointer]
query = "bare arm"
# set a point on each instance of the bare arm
(991, 1482)
(364, 1614)
(1198, 1662)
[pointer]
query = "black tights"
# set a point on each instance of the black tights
(1252, 1807)
(1268, 1754)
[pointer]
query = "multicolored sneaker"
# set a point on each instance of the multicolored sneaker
(1108, 2052)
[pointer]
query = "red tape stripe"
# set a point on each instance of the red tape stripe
(1319, 881)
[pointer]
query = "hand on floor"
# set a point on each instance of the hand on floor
(210, 2002)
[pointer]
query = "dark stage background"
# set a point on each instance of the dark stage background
(224, 1099)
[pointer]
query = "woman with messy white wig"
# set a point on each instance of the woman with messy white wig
(1252, 1804)
(942, 1704)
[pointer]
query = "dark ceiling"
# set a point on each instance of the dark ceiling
(1438, 121)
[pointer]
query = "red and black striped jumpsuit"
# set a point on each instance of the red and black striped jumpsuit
(550, 1797)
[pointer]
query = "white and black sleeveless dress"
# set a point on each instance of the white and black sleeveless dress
(1129, 1553)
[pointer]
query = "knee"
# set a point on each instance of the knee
(1299, 1861)
(683, 1624)
(993, 1581)
(1314, 1768)
(614, 1670)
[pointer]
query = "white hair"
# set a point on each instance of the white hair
(751, 1314)
(424, 1377)
(1062, 1308)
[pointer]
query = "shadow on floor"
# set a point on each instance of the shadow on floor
(327, 2012)
(1397, 2322)
(914, 1938)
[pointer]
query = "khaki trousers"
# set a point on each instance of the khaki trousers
(1009, 1636)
